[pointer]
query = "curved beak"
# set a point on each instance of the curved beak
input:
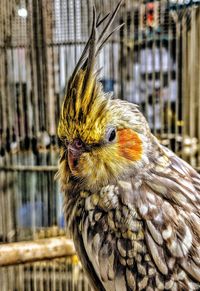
(73, 157)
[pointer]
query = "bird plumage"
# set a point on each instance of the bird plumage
(131, 205)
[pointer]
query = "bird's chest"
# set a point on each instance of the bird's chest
(105, 214)
(112, 237)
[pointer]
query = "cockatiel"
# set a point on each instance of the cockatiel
(131, 205)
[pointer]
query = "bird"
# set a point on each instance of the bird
(132, 206)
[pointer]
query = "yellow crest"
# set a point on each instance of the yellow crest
(85, 100)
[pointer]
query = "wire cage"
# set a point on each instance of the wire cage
(154, 61)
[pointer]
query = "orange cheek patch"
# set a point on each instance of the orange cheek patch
(130, 144)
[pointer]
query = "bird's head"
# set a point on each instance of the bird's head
(101, 138)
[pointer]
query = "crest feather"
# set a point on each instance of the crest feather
(83, 86)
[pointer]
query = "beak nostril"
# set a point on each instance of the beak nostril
(78, 144)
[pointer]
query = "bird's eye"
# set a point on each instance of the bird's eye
(111, 134)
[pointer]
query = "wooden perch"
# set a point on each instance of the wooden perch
(31, 251)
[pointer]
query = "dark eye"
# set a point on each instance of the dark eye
(111, 134)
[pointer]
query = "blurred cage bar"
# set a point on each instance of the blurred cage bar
(153, 61)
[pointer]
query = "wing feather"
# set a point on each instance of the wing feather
(179, 189)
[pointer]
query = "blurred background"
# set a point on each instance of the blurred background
(153, 61)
